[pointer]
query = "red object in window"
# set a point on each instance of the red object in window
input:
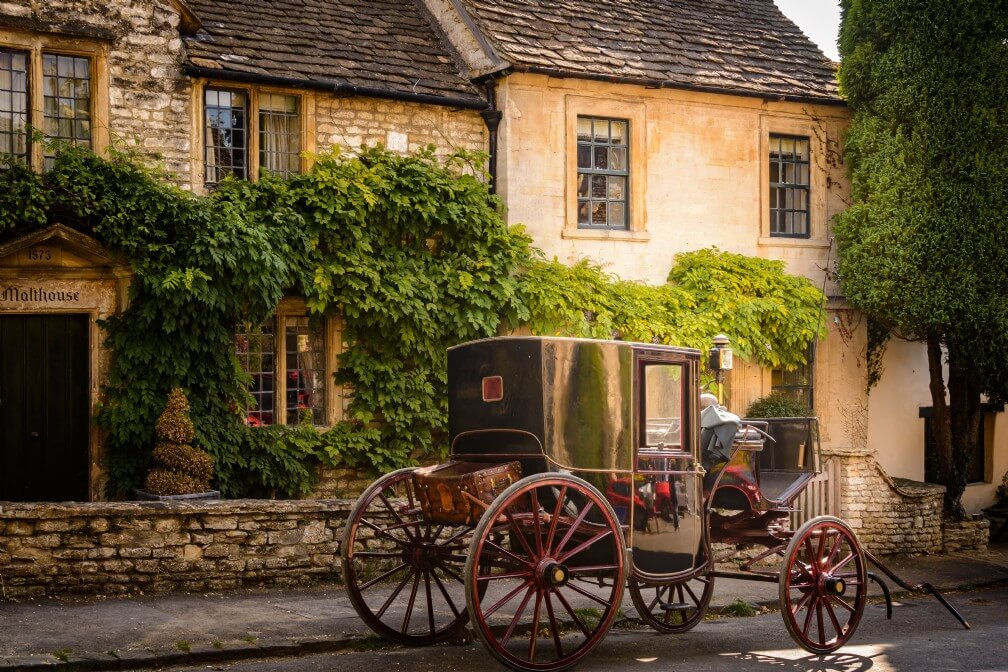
(493, 388)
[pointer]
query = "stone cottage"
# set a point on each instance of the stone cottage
(617, 130)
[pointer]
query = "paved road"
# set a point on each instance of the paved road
(921, 636)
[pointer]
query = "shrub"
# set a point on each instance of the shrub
(179, 469)
(777, 405)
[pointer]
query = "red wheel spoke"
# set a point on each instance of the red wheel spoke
(517, 617)
(821, 549)
(451, 572)
(394, 594)
(833, 551)
(659, 591)
(819, 622)
(507, 554)
(534, 633)
(806, 571)
(430, 602)
(507, 598)
(808, 613)
(583, 545)
(447, 597)
(570, 611)
(574, 571)
(806, 598)
(395, 514)
(696, 600)
(555, 519)
(384, 532)
(507, 575)
(577, 523)
(813, 565)
(832, 617)
(455, 537)
(590, 596)
(384, 576)
(554, 627)
(536, 524)
(839, 600)
(412, 601)
(521, 535)
(848, 558)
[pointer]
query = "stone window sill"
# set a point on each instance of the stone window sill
(605, 234)
(774, 241)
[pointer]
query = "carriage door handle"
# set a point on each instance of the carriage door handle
(33, 435)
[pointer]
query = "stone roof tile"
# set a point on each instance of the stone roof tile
(388, 45)
(746, 46)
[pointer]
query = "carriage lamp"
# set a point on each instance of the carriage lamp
(720, 360)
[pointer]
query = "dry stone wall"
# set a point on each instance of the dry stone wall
(888, 515)
(967, 535)
(117, 548)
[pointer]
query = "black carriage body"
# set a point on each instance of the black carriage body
(623, 416)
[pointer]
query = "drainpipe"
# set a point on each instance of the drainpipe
(492, 118)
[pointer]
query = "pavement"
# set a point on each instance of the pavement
(165, 630)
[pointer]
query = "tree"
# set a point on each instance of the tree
(923, 249)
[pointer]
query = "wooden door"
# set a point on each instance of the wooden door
(44, 408)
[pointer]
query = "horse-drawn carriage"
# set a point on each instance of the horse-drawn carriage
(579, 469)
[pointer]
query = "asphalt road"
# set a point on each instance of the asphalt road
(921, 636)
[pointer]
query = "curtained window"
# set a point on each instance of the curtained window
(279, 134)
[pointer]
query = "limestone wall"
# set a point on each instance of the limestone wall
(116, 548)
(967, 535)
(888, 515)
(339, 483)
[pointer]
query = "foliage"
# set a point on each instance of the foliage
(922, 248)
(410, 252)
(777, 405)
(770, 316)
(1002, 491)
(179, 468)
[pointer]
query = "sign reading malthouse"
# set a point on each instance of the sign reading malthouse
(13, 294)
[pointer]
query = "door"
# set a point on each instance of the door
(44, 409)
(668, 517)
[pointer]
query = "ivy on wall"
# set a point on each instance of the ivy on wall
(414, 256)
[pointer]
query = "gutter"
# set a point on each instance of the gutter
(664, 84)
(492, 118)
(335, 87)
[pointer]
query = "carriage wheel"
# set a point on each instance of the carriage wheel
(403, 575)
(823, 585)
(548, 558)
(672, 607)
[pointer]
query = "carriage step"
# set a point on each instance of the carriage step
(674, 606)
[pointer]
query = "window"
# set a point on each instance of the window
(303, 367)
(44, 87)
(603, 160)
(249, 132)
(663, 405)
(14, 103)
(796, 383)
(789, 186)
(978, 467)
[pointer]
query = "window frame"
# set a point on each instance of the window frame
(795, 186)
(35, 44)
(606, 172)
(306, 117)
(780, 124)
(809, 387)
(333, 405)
(634, 113)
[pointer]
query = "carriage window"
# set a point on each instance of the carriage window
(663, 405)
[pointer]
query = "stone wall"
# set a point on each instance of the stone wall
(967, 535)
(339, 483)
(148, 97)
(116, 548)
(350, 123)
(888, 515)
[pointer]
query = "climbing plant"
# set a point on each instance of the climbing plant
(412, 254)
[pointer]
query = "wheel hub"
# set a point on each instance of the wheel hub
(833, 585)
(553, 574)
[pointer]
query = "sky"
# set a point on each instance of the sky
(819, 19)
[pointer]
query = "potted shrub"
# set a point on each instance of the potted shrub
(179, 470)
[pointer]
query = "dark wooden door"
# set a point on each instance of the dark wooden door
(44, 413)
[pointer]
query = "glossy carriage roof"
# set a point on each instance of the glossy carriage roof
(616, 344)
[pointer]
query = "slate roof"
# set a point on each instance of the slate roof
(376, 45)
(740, 46)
